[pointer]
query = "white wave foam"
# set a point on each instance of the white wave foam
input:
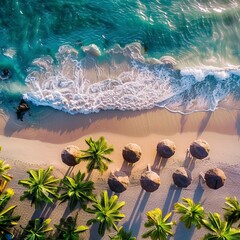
(129, 82)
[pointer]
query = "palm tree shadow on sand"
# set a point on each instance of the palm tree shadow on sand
(44, 212)
(135, 220)
(204, 123)
(94, 232)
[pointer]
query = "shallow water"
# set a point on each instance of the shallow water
(44, 44)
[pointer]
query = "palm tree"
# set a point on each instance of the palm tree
(122, 235)
(95, 154)
(160, 227)
(5, 197)
(4, 176)
(3, 170)
(67, 229)
(42, 187)
(77, 190)
(37, 229)
(7, 221)
(220, 230)
(232, 210)
(192, 214)
(107, 213)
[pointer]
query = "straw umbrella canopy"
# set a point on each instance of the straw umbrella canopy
(69, 155)
(166, 148)
(118, 181)
(131, 153)
(199, 149)
(215, 178)
(182, 177)
(150, 181)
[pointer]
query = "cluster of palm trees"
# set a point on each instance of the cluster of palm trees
(43, 188)
(193, 215)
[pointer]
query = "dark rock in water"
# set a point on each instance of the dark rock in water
(5, 74)
(21, 109)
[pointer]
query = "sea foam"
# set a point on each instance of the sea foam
(124, 79)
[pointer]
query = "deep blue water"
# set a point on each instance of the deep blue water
(180, 54)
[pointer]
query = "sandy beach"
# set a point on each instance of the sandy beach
(40, 138)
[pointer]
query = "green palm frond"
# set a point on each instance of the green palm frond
(192, 214)
(67, 229)
(219, 229)
(160, 227)
(232, 210)
(4, 167)
(7, 221)
(95, 154)
(77, 190)
(37, 229)
(122, 235)
(42, 187)
(107, 212)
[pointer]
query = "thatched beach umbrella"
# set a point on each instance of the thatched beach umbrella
(199, 149)
(131, 153)
(166, 148)
(215, 178)
(69, 155)
(118, 181)
(182, 177)
(150, 181)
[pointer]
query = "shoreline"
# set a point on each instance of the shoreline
(34, 144)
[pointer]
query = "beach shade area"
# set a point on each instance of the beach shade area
(199, 149)
(118, 181)
(215, 178)
(131, 153)
(182, 177)
(69, 155)
(150, 181)
(166, 148)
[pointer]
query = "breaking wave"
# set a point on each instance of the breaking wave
(88, 81)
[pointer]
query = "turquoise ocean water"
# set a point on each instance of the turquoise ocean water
(83, 56)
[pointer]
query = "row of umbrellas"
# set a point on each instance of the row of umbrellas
(199, 149)
(150, 180)
(118, 181)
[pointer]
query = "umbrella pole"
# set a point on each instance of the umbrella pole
(149, 167)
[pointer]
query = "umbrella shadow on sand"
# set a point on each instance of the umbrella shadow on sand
(127, 168)
(173, 196)
(159, 163)
(135, 220)
(189, 162)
